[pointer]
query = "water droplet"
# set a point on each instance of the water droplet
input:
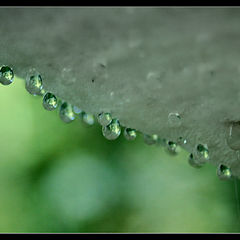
(43, 92)
(172, 147)
(174, 120)
(66, 112)
(112, 131)
(193, 161)
(77, 110)
(181, 141)
(202, 153)
(224, 172)
(233, 138)
(6, 75)
(130, 134)
(88, 118)
(34, 84)
(104, 119)
(150, 139)
(49, 101)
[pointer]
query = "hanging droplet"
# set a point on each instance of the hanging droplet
(66, 113)
(34, 84)
(202, 153)
(88, 118)
(77, 110)
(193, 161)
(181, 141)
(6, 75)
(174, 120)
(49, 101)
(224, 172)
(112, 131)
(130, 134)
(233, 137)
(150, 139)
(172, 147)
(104, 119)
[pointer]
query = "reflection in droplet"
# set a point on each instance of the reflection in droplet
(66, 113)
(104, 119)
(112, 131)
(6, 75)
(34, 84)
(88, 118)
(49, 101)
(224, 172)
(130, 134)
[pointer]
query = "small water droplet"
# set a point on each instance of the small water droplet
(130, 134)
(49, 101)
(34, 83)
(104, 119)
(233, 137)
(88, 118)
(77, 110)
(174, 120)
(150, 139)
(6, 75)
(224, 172)
(66, 112)
(112, 131)
(193, 161)
(173, 148)
(202, 153)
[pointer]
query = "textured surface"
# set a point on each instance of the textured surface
(139, 64)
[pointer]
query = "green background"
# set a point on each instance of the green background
(57, 177)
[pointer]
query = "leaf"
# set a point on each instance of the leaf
(140, 64)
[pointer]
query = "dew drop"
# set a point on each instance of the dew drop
(6, 75)
(224, 172)
(172, 147)
(49, 101)
(174, 120)
(150, 139)
(88, 118)
(77, 110)
(202, 153)
(104, 119)
(66, 112)
(130, 134)
(112, 131)
(233, 138)
(34, 84)
(193, 161)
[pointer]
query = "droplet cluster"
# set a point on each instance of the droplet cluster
(111, 128)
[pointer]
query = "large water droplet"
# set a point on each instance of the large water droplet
(49, 101)
(224, 172)
(193, 161)
(88, 118)
(34, 84)
(104, 119)
(130, 134)
(174, 120)
(6, 75)
(66, 112)
(150, 139)
(233, 137)
(112, 131)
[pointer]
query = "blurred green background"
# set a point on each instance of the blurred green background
(57, 177)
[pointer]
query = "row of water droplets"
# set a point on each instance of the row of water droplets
(111, 128)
